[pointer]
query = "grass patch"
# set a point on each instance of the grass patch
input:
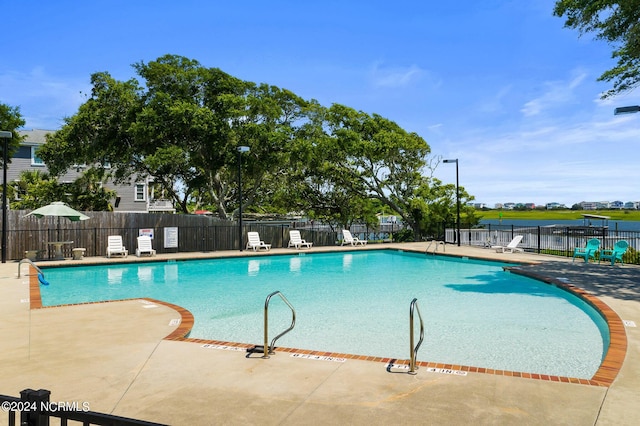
(631, 215)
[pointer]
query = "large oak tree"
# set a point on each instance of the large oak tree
(181, 125)
(181, 128)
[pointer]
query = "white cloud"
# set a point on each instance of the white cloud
(396, 76)
(566, 161)
(555, 93)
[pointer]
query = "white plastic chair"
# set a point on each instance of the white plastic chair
(295, 240)
(347, 238)
(511, 247)
(254, 242)
(144, 246)
(115, 247)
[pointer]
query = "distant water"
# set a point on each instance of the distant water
(620, 225)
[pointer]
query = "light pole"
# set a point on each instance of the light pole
(626, 110)
(5, 135)
(457, 200)
(240, 149)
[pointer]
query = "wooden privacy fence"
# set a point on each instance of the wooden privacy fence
(194, 233)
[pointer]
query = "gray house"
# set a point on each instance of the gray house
(137, 197)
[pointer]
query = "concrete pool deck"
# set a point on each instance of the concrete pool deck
(116, 358)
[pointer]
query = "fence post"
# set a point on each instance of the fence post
(36, 400)
(539, 239)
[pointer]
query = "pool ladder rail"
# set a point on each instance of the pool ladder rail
(267, 349)
(29, 261)
(414, 350)
(437, 244)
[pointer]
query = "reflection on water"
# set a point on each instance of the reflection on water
(145, 274)
(171, 273)
(114, 276)
(346, 262)
(254, 267)
(294, 264)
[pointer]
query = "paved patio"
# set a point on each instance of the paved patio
(115, 357)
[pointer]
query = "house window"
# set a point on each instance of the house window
(140, 192)
(35, 160)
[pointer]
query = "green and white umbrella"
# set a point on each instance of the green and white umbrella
(58, 209)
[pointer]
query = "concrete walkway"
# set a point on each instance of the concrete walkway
(114, 357)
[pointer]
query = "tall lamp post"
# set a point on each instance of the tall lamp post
(241, 149)
(457, 200)
(5, 135)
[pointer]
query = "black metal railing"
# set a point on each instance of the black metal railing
(553, 240)
(35, 408)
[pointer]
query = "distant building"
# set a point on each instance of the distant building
(588, 205)
(530, 206)
(616, 205)
(135, 197)
(631, 205)
(551, 206)
(509, 206)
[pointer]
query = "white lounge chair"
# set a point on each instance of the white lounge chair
(115, 247)
(347, 238)
(254, 242)
(144, 246)
(511, 247)
(295, 240)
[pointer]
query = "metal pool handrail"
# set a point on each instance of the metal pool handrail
(29, 261)
(438, 243)
(269, 349)
(414, 351)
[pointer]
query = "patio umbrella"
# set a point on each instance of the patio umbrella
(58, 209)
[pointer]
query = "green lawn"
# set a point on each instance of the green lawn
(633, 215)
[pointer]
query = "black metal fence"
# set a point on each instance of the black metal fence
(555, 240)
(35, 408)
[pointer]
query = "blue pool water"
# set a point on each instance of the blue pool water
(358, 302)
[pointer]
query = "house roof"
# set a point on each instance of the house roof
(35, 136)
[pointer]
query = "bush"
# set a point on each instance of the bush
(403, 236)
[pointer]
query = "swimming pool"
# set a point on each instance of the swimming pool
(358, 302)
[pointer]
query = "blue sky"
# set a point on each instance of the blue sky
(498, 84)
